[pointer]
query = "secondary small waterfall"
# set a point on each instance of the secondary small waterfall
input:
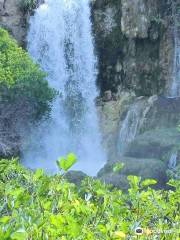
(129, 128)
(60, 40)
(175, 85)
(173, 160)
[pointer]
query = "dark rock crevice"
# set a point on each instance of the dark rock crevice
(134, 45)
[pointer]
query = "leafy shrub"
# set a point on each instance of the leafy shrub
(34, 206)
(20, 78)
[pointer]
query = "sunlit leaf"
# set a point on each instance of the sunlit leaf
(5, 219)
(148, 182)
(20, 234)
(119, 235)
(38, 174)
(66, 164)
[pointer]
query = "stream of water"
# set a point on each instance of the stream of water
(175, 86)
(173, 160)
(129, 128)
(60, 40)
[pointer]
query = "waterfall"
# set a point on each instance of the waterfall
(60, 40)
(172, 160)
(175, 85)
(129, 128)
(135, 118)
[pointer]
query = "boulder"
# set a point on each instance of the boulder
(145, 168)
(158, 143)
(107, 96)
(124, 120)
(75, 177)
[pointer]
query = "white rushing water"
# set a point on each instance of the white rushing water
(60, 40)
(175, 85)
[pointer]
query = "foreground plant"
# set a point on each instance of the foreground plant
(36, 206)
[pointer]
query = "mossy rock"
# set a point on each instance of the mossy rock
(158, 143)
(145, 168)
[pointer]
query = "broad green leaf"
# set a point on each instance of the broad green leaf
(148, 182)
(66, 164)
(119, 235)
(20, 234)
(134, 181)
(5, 219)
(61, 163)
(38, 174)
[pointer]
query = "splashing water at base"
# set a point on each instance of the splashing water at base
(60, 40)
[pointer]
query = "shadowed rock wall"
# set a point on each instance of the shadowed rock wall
(134, 45)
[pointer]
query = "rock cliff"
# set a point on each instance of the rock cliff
(13, 19)
(133, 42)
(134, 45)
(135, 48)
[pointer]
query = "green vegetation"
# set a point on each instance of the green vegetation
(34, 206)
(20, 78)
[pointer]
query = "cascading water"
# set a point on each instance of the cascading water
(173, 160)
(175, 85)
(129, 128)
(131, 125)
(60, 40)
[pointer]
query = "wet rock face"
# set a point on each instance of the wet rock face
(155, 138)
(133, 44)
(153, 113)
(12, 19)
(135, 25)
(164, 113)
(15, 19)
(159, 143)
(109, 41)
(15, 125)
(9, 137)
(110, 114)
